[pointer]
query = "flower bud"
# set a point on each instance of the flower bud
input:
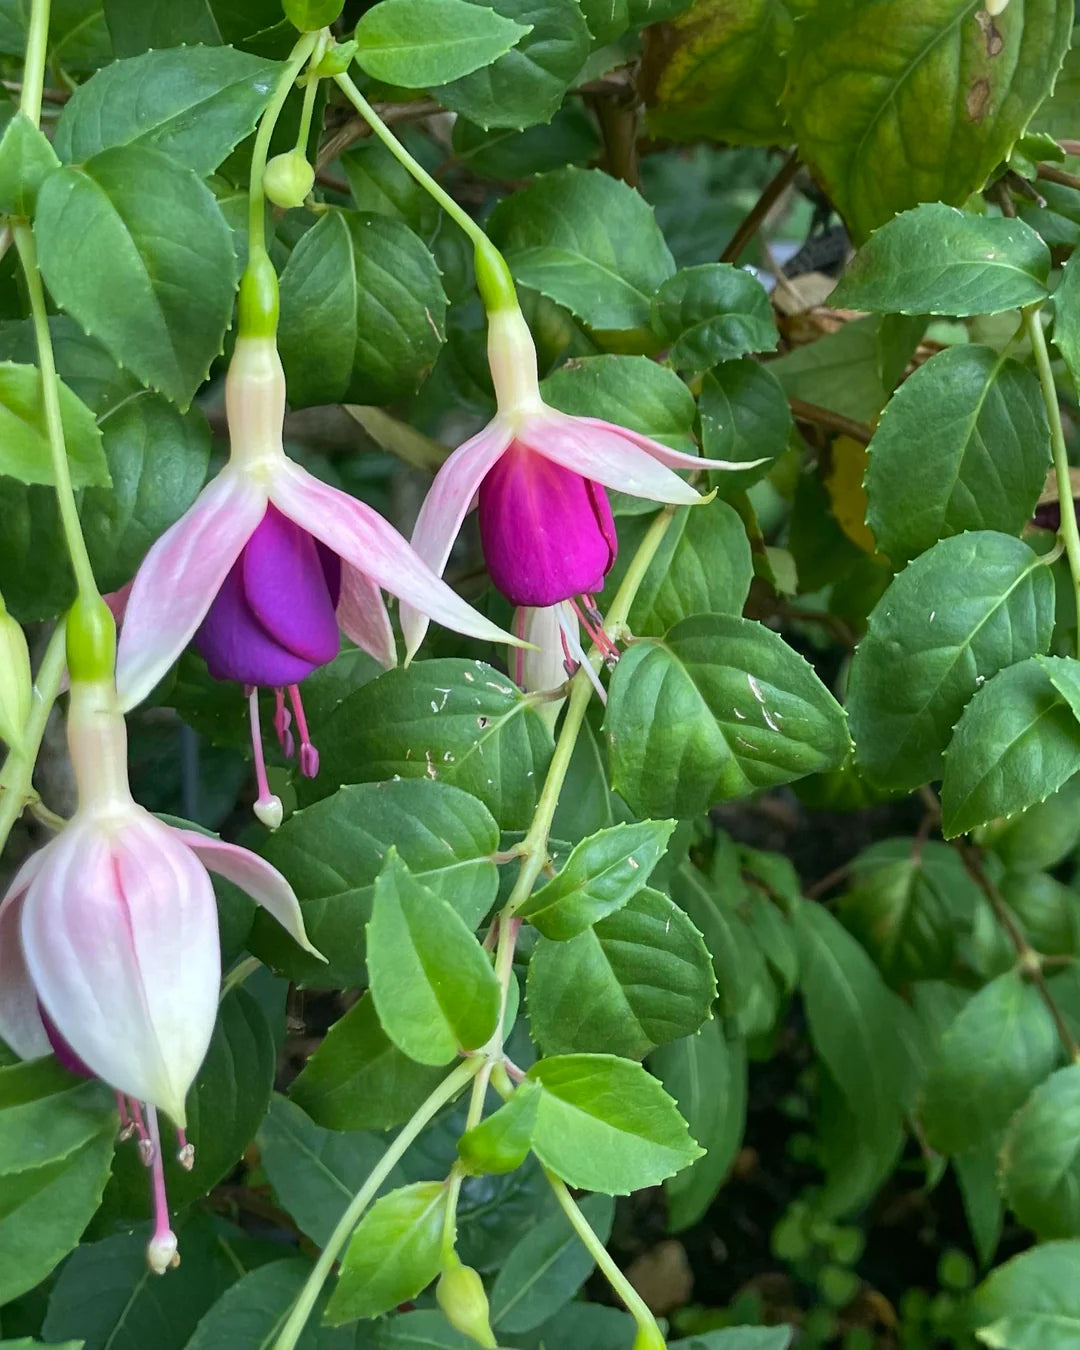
(311, 15)
(649, 1337)
(16, 682)
(995, 7)
(460, 1294)
(288, 179)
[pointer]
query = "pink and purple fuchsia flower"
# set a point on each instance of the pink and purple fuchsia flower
(109, 950)
(266, 567)
(539, 478)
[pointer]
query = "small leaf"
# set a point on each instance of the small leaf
(711, 313)
(937, 260)
(422, 43)
(587, 242)
(1001, 1044)
(1017, 742)
(393, 1255)
(546, 1268)
(433, 985)
(501, 1142)
(639, 978)
(1067, 318)
(26, 160)
(599, 877)
(115, 241)
(194, 104)
(24, 439)
(604, 1124)
(1040, 1158)
(985, 419)
(1031, 1302)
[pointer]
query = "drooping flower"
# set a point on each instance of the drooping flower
(539, 478)
(266, 566)
(109, 949)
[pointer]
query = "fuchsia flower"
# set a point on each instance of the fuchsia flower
(109, 947)
(265, 568)
(539, 478)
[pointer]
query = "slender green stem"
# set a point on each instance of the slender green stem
(50, 392)
(1069, 532)
(635, 1304)
(243, 970)
(298, 58)
(447, 1090)
(307, 112)
(619, 609)
(37, 42)
(18, 770)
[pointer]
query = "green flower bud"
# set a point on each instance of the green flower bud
(337, 59)
(16, 682)
(288, 179)
(460, 1294)
(91, 639)
(649, 1337)
(311, 15)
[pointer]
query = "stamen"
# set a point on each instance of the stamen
(569, 664)
(282, 722)
(161, 1253)
(186, 1152)
(267, 806)
(596, 632)
(127, 1125)
(572, 640)
(309, 756)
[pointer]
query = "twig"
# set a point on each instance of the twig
(618, 121)
(1053, 174)
(761, 208)
(831, 421)
(828, 881)
(355, 129)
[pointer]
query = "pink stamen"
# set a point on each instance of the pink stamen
(282, 722)
(266, 799)
(127, 1125)
(161, 1252)
(309, 756)
(569, 664)
(185, 1152)
(146, 1148)
(595, 629)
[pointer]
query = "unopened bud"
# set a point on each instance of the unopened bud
(995, 7)
(649, 1337)
(268, 809)
(161, 1253)
(311, 15)
(16, 682)
(460, 1294)
(288, 179)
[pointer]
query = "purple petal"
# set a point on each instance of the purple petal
(285, 583)
(179, 577)
(547, 533)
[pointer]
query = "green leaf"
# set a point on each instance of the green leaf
(137, 25)
(706, 1074)
(56, 1144)
(985, 417)
(718, 72)
(394, 1253)
(314, 1172)
(859, 109)
(380, 184)
(224, 1107)
(744, 416)
(1000, 1045)
(639, 978)
(1067, 317)
(968, 608)
(1040, 1157)
(588, 242)
(432, 983)
(251, 1314)
(906, 905)
(528, 83)
(863, 1032)
(841, 370)
(158, 458)
(976, 1175)
(714, 312)
(358, 1079)
(115, 241)
(453, 721)
(26, 159)
(362, 310)
(604, 1124)
(719, 708)
(703, 566)
(738, 1338)
(937, 260)
(501, 1142)
(1031, 1302)
(194, 104)
(311, 15)
(1017, 741)
(422, 1329)
(420, 43)
(546, 1268)
(602, 873)
(24, 437)
(333, 850)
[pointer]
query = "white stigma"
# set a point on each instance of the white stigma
(161, 1253)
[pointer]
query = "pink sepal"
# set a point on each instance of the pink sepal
(674, 459)
(362, 616)
(20, 1023)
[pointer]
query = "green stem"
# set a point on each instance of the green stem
(492, 274)
(308, 111)
(50, 393)
(37, 42)
(298, 58)
(635, 1304)
(1068, 530)
(18, 770)
(301, 1310)
(243, 970)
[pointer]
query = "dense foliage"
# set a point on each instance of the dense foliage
(703, 974)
